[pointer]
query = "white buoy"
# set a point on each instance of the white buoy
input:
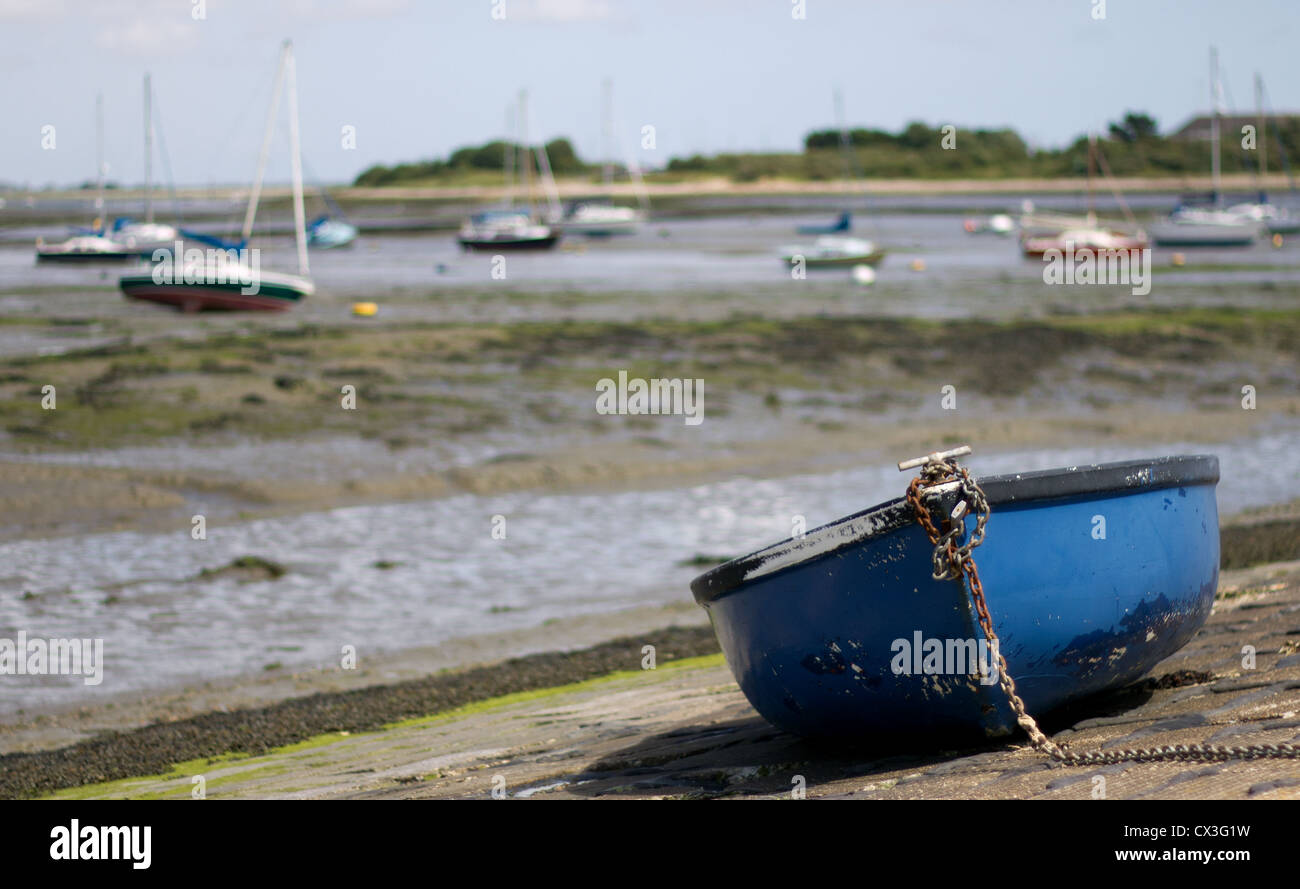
(864, 275)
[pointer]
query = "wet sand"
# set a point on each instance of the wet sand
(683, 730)
(50, 728)
(254, 717)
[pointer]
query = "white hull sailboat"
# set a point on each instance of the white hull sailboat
(1270, 217)
(511, 227)
(1276, 220)
(1211, 226)
(506, 230)
(833, 251)
(225, 278)
(1207, 227)
(600, 217)
(91, 246)
(145, 237)
(1042, 234)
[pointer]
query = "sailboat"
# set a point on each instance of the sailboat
(330, 229)
(327, 231)
(1088, 233)
(833, 251)
(1278, 220)
(225, 278)
(1213, 225)
(600, 217)
(844, 222)
(513, 228)
(90, 245)
(143, 238)
(835, 248)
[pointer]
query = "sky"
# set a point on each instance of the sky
(417, 78)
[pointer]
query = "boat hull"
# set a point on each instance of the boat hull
(331, 234)
(88, 257)
(600, 229)
(872, 259)
(811, 628)
(1035, 249)
(1193, 235)
(272, 296)
(516, 244)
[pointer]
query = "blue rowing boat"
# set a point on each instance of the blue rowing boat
(1093, 574)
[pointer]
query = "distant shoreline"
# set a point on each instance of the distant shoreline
(694, 187)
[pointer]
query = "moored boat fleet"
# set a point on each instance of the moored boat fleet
(1197, 221)
(532, 218)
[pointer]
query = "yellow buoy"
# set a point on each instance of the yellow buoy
(1178, 259)
(1277, 240)
(918, 265)
(365, 310)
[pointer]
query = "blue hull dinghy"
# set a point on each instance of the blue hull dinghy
(325, 232)
(1092, 575)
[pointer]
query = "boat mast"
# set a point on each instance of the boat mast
(99, 162)
(295, 158)
(256, 194)
(523, 146)
(1214, 122)
(512, 138)
(607, 132)
(615, 147)
(638, 183)
(548, 180)
(148, 151)
(1262, 136)
(846, 148)
(1092, 159)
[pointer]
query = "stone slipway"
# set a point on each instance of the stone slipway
(685, 730)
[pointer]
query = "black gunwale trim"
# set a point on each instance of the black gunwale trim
(1002, 490)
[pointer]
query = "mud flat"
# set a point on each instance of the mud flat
(246, 423)
(596, 723)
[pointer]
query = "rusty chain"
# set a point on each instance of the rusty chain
(952, 560)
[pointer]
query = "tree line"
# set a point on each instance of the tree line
(1131, 146)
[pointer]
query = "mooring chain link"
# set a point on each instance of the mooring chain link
(949, 556)
(952, 560)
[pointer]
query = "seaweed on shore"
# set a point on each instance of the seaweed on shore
(154, 749)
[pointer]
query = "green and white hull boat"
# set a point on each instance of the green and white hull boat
(235, 288)
(225, 278)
